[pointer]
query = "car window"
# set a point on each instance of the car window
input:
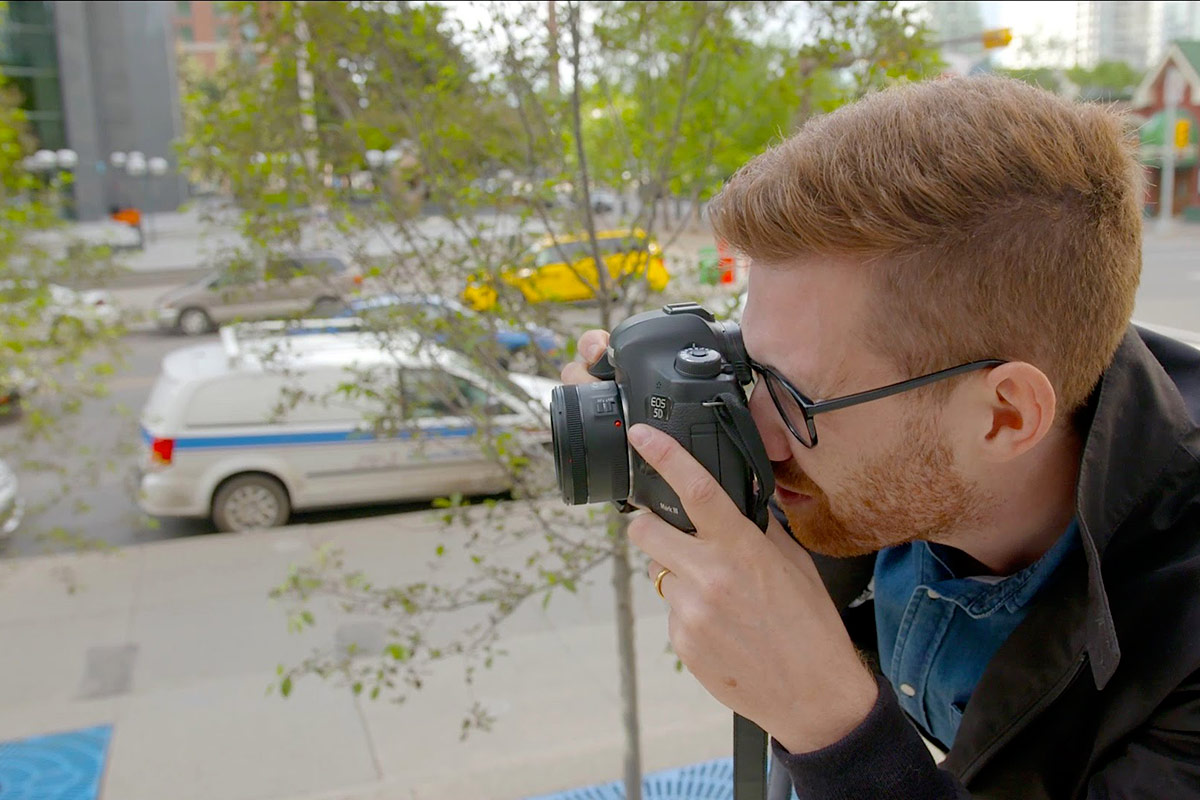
(621, 244)
(555, 254)
(320, 266)
(234, 274)
(282, 269)
(434, 393)
(576, 251)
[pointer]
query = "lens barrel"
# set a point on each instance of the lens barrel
(591, 454)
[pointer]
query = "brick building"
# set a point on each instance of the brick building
(1148, 105)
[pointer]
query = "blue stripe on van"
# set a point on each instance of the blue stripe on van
(321, 437)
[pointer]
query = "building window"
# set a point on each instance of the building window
(186, 34)
(183, 8)
(222, 32)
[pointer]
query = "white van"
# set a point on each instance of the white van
(274, 419)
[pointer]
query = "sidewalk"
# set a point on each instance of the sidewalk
(175, 643)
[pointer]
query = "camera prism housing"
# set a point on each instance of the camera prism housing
(679, 370)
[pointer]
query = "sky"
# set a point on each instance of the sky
(1031, 22)
(1037, 20)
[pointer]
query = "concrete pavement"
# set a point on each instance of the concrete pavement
(174, 644)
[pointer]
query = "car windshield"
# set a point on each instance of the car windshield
(574, 251)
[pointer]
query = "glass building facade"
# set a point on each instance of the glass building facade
(29, 64)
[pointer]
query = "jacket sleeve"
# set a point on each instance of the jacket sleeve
(1161, 758)
(884, 758)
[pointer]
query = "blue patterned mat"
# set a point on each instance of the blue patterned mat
(62, 766)
(711, 780)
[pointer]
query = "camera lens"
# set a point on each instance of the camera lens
(591, 456)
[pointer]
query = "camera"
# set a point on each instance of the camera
(677, 369)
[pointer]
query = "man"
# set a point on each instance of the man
(1005, 558)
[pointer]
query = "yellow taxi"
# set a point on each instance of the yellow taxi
(563, 269)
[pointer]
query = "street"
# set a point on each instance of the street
(100, 504)
(1170, 289)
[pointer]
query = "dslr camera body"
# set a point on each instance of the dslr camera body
(679, 370)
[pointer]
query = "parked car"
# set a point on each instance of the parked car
(604, 201)
(529, 349)
(314, 284)
(10, 502)
(278, 417)
(563, 269)
(13, 384)
(58, 313)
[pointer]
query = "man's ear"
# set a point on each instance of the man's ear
(1019, 403)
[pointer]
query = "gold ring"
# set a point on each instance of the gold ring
(658, 581)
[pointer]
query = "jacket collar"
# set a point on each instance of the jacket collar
(1139, 424)
(1136, 442)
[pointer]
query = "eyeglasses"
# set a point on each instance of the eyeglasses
(798, 411)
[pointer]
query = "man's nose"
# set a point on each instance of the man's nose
(771, 428)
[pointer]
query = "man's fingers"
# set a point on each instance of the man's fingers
(592, 345)
(790, 549)
(703, 498)
(575, 372)
(659, 576)
(658, 539)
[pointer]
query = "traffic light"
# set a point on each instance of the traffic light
(1183, 129)
(996, 37)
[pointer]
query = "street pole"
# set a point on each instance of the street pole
(1172, 97)
(146, 204)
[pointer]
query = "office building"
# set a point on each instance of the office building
(99, 78)
(1119, 30)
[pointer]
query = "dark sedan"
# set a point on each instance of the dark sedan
(529, 349)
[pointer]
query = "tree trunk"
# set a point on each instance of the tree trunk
(627, 657)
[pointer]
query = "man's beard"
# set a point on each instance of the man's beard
(912, 493)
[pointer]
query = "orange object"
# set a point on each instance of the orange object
(725, 262)
(130, 216)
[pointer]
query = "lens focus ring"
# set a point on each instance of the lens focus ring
(578, 453)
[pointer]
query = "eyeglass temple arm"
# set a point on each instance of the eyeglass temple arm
(901, 386)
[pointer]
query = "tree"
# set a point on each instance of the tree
(434, 151)
(46, 356)
(1108, 80)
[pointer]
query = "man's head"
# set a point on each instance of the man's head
(921, 228)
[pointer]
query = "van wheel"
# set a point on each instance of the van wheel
(194, 321)
(250, 502)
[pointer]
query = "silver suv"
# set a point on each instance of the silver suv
(308, 284)
(10, 502)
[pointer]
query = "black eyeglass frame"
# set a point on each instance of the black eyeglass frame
(810, 409)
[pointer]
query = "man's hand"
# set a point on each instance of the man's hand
(592, 345)
(750, 617)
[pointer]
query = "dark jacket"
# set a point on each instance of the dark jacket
(1097, 693)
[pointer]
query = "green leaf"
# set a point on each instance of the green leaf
(285, 686)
